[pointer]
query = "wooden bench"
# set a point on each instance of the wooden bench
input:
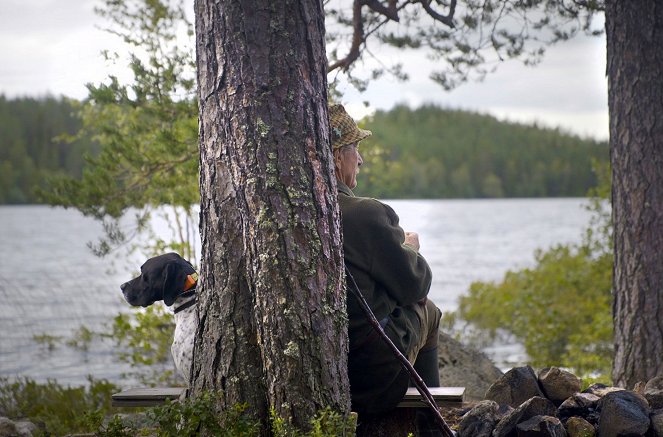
(149, 397)
(146, 397)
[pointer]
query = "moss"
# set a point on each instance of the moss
(263, 128)
(292, 350)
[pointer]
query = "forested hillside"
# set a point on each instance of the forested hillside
(432, 152)
(428, 152)
(30, 148)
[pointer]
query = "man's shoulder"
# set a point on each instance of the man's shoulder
(364, 209)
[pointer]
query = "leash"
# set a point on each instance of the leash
(418, 382)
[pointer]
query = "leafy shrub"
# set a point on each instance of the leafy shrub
(143, 338)
(560, 309)
(61, 410)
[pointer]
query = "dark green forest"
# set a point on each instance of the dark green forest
(432, 152)
(34, 144)
(427, 152)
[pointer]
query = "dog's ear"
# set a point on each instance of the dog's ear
(173, 282)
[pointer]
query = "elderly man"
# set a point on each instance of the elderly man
(394, 279)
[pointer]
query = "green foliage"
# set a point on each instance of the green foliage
(326, 423)
(147, 130)
(65, 410)
(560, 309)
(142, 339)
(62, 410)
(431, 152)
(198, 415)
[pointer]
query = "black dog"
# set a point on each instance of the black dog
(172, 279)
(161, 278)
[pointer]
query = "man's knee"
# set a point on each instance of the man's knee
(434, 315)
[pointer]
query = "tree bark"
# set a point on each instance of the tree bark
(273, 324)
(635, 75)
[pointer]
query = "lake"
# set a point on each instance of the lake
(50, 282)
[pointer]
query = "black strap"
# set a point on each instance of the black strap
(185, 305)
(189, 293)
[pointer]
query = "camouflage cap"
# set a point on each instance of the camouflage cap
(344, 130)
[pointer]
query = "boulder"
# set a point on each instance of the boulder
(541, 426)
(536, 406)
(601, 390)
(26, 429)
(480, 420)
(656, 427)
(22, 428)
(558, 384)
(653, 392)
(580, 404)
(463, 366)
(623, 413)
(7, 428)
(579, 427)
(515, 387)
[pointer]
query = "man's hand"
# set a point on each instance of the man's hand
(412, 240)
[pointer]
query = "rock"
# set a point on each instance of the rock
(580, 404)
(480, 420)
(515, 387)
(22, 428)
(639, 388)
(656, 426)
(653, 392)
(579, 427)
(25, 428)
(623, 413)
(7, 428)
(463, 366)
(601, 390)
(558, 384)
(541, 426)
(536, 406)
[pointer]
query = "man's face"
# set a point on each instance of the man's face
(347, 161)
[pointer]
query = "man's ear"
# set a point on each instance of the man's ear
(173, 283)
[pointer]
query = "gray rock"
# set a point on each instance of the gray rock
(623, 413)
(558, 384)
(463, 366)
(580, 404)
(541, 426)
(579, 427)
(515, 387)
(480, 420)
(601, 390)
(536, 406)
(654, 392)
(7, 428)
(21, 428)
(25, 428)
(656, 425)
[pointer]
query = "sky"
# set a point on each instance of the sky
(54, 47)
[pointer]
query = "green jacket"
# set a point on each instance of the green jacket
(392, 277)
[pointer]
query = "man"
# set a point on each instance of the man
(393, 278)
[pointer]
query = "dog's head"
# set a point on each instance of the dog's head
(161, 278)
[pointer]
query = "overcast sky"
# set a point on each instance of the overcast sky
(53, 46)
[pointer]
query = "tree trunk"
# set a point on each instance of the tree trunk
(635, 74)
(273, 329)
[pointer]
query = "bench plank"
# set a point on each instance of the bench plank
(444, 396)
(146, 397)
(149, 397)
